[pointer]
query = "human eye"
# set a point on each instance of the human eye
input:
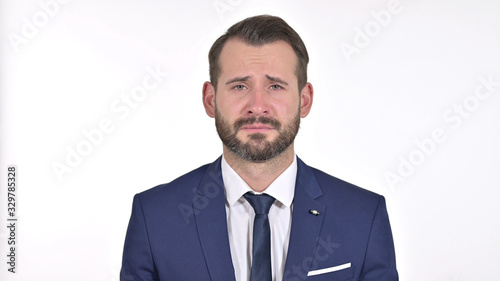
(276, 87)
(239, 87)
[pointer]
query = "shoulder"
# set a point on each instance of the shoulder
(331, 185)
(180, 190)
(348, 202)
(343, 196)
(334, 185)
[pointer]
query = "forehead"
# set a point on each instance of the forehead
(237, 56)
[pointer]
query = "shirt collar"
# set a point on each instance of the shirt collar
(282, 188)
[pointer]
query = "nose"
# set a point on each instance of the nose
(257, 103)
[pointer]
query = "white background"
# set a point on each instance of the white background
(65, 67)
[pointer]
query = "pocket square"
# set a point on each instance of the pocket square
(329, 269)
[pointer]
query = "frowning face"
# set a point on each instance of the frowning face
(257, 105)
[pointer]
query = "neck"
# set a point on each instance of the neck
(259, 175)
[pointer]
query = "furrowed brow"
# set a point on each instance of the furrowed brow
(238, 79)
(276, 79)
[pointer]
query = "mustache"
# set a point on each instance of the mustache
(274, 123)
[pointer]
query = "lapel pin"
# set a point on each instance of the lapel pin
(314, 212)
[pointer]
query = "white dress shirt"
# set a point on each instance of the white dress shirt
(240, 217)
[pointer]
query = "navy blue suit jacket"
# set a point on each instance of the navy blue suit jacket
(178, 231)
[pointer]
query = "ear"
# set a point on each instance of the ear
(306, 98)
(209, 99)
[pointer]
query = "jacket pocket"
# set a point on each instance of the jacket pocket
(339, 275)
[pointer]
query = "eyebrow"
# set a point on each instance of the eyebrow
(245, 78)
(238, 79)
(277, 79)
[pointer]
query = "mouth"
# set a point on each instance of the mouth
(254, 124)
(256, 128)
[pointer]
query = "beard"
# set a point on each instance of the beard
(257, 148)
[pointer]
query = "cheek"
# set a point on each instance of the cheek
(288, 109)
(227, 111)
(232, 109)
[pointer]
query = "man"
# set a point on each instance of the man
(207, 224)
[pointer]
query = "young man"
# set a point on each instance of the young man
(258, 212)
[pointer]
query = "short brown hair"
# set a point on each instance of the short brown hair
(258, 31)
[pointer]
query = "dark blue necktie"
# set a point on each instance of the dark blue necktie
(261, 252)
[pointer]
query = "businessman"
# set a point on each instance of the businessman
(258, 212)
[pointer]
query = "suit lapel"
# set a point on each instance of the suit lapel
(212, 224)
(306, 227)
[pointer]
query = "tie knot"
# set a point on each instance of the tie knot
(260, 203)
